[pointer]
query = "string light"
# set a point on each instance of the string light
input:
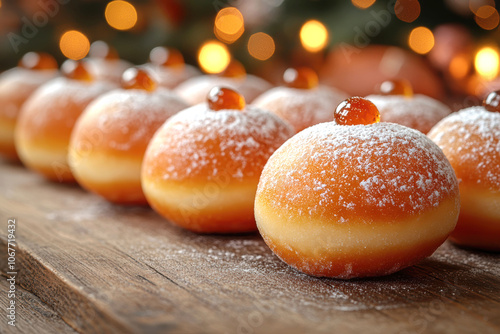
(407, 10)
(487, 17)
(229, 25)
(121, 15)
(261, 46)
(363, 4)
(421, 40)
(487, 62)
(474, 5)
(313, 36)
(213, 57)
(74, 44)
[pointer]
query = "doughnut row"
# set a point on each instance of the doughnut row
(337, 186)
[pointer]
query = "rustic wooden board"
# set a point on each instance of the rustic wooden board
(110, 269)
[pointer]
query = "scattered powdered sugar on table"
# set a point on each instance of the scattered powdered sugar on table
(199, 141)
(363, 169)
(419, 112)
(301, 107)
(475, 133)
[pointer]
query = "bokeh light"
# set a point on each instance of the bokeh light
(74, 44)
(313, 36)
(121, 15)
(487, 62)
(363, 4)
(407, 10)
(213, 57)
(261, 46)
(459, 66)
(229, 25)
(487, 17)
(421, 40)
(474, 5)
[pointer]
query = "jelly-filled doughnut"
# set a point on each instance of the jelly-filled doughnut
(202, 166)
(350, 199)
(302, 102)
(470, 139)
(48, 116)
(16, 85)
(195, 90)
(169, 67)
(397, 104)
(104, 63)
(110, 137)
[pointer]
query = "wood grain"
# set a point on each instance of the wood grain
(110, 269)
(32, 316)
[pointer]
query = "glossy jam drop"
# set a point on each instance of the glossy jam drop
(492, 101)
(396, 87)
(76, 70)
(100, 49)
(167, 57)
(138, 78)
(234, 70)
(356, 111)
(302, 78)
(38, 61)
(220, 98)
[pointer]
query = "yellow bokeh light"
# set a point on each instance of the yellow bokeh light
(229, 25)
(121, 15)
(363, 4)
(421, 40)
(213, 57)
(74, 44)
(487, 62)
(313, 36)
(487, 17)
(407, 10)
(261, 46)
(459, 66)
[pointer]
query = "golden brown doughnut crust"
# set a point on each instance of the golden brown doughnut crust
(470, 139)
(355, 201)
(213, 155)
(47, 119)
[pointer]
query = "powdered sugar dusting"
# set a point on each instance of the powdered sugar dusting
(302, 107)
(471, 140)
(224, 142)
(419, 112)
(195, 90)
(134, 112)
(370, 170)
(16, 85)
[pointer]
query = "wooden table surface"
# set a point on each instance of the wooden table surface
(102, 268)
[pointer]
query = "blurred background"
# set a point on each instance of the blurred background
(447, 48)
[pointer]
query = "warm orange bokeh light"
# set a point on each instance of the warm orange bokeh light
(313, 36)
(261, 46)
(459, 66)
(487, 62)
(487, 17)
(229, 25)
(121, 15)
(74, 45)
(474, 5)
(407, 10)
(363, 4)
(421, 40)
(213, 57)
